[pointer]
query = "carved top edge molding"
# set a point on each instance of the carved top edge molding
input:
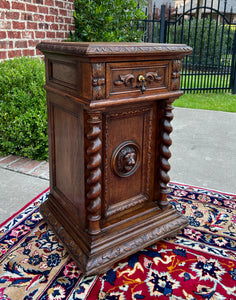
(97, 49)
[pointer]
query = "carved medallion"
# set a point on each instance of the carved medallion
(126, 159)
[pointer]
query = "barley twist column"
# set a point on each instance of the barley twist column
(94, 168)
(165, 153)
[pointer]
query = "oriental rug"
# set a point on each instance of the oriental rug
(199, 263)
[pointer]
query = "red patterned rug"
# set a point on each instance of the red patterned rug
(200, 263)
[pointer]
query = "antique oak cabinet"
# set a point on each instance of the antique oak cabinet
(109, 115)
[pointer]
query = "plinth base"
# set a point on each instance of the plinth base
(97, 254)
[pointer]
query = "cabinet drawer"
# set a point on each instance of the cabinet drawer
(122, 79)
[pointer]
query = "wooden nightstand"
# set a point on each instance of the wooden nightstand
(109, 114)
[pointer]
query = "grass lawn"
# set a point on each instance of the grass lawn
(211, 101)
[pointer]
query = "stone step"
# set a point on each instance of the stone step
(26, 166)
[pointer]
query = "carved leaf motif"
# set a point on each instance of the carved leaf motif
(98, 81)
(125, 79)
(151, 76)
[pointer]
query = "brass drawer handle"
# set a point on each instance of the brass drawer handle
(142, 79)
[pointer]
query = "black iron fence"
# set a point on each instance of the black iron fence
(210, 30)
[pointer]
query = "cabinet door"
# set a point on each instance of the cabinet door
(127, 159)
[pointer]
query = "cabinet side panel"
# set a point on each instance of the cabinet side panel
(69, 159)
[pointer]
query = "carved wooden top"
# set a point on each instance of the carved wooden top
(114, 49)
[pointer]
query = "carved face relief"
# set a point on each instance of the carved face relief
(125, 159)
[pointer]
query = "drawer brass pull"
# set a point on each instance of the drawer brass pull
(142, 79)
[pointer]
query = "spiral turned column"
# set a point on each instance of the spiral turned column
(94, 177)
(165, 153)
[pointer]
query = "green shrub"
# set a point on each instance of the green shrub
(23, 127)
(210, 40)
(107, 21)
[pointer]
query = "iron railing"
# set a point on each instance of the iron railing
(210, 30)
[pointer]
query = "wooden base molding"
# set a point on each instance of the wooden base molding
(101, 253)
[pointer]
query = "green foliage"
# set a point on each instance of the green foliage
(107, 21)
(210, 40)
(23, 109)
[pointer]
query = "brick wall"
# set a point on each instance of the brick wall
(24, 23)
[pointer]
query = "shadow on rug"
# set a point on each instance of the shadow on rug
(200, 263)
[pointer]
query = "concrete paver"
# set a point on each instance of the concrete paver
(16, 190)
(204, 149)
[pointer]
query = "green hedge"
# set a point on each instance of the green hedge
(107, 21)
(23, 109)
(210, 40)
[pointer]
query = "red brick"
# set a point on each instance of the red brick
(51, 34)
(70, 14)
(29, 166)
(21, 44)
(43, 10)
(71, 27)
(43, 26)
(5, 24)
(32, 43)
(67, 21)
(27, 35)
(42, 169)
(66, 35)
(31, 7)
(59, 19)
(18, 163)
(13, 15)
(3, 35)
(2, 15)
(3, 54)
(14, 34)
(39, 52)
(39, 2)
(63, 27)
(4, 4)
(32, 25)
(60, 35)
(49, 3)
(30, 52)
(18, 25)
(59, 3)
(38, 18)
(6, 44)
(8, 160)
(49, 18)
(69, 6)
(40, 34)
(13, 53)
(26, 16)
(53, 11)
(18, 5)
(53, 26)
(63, 12)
